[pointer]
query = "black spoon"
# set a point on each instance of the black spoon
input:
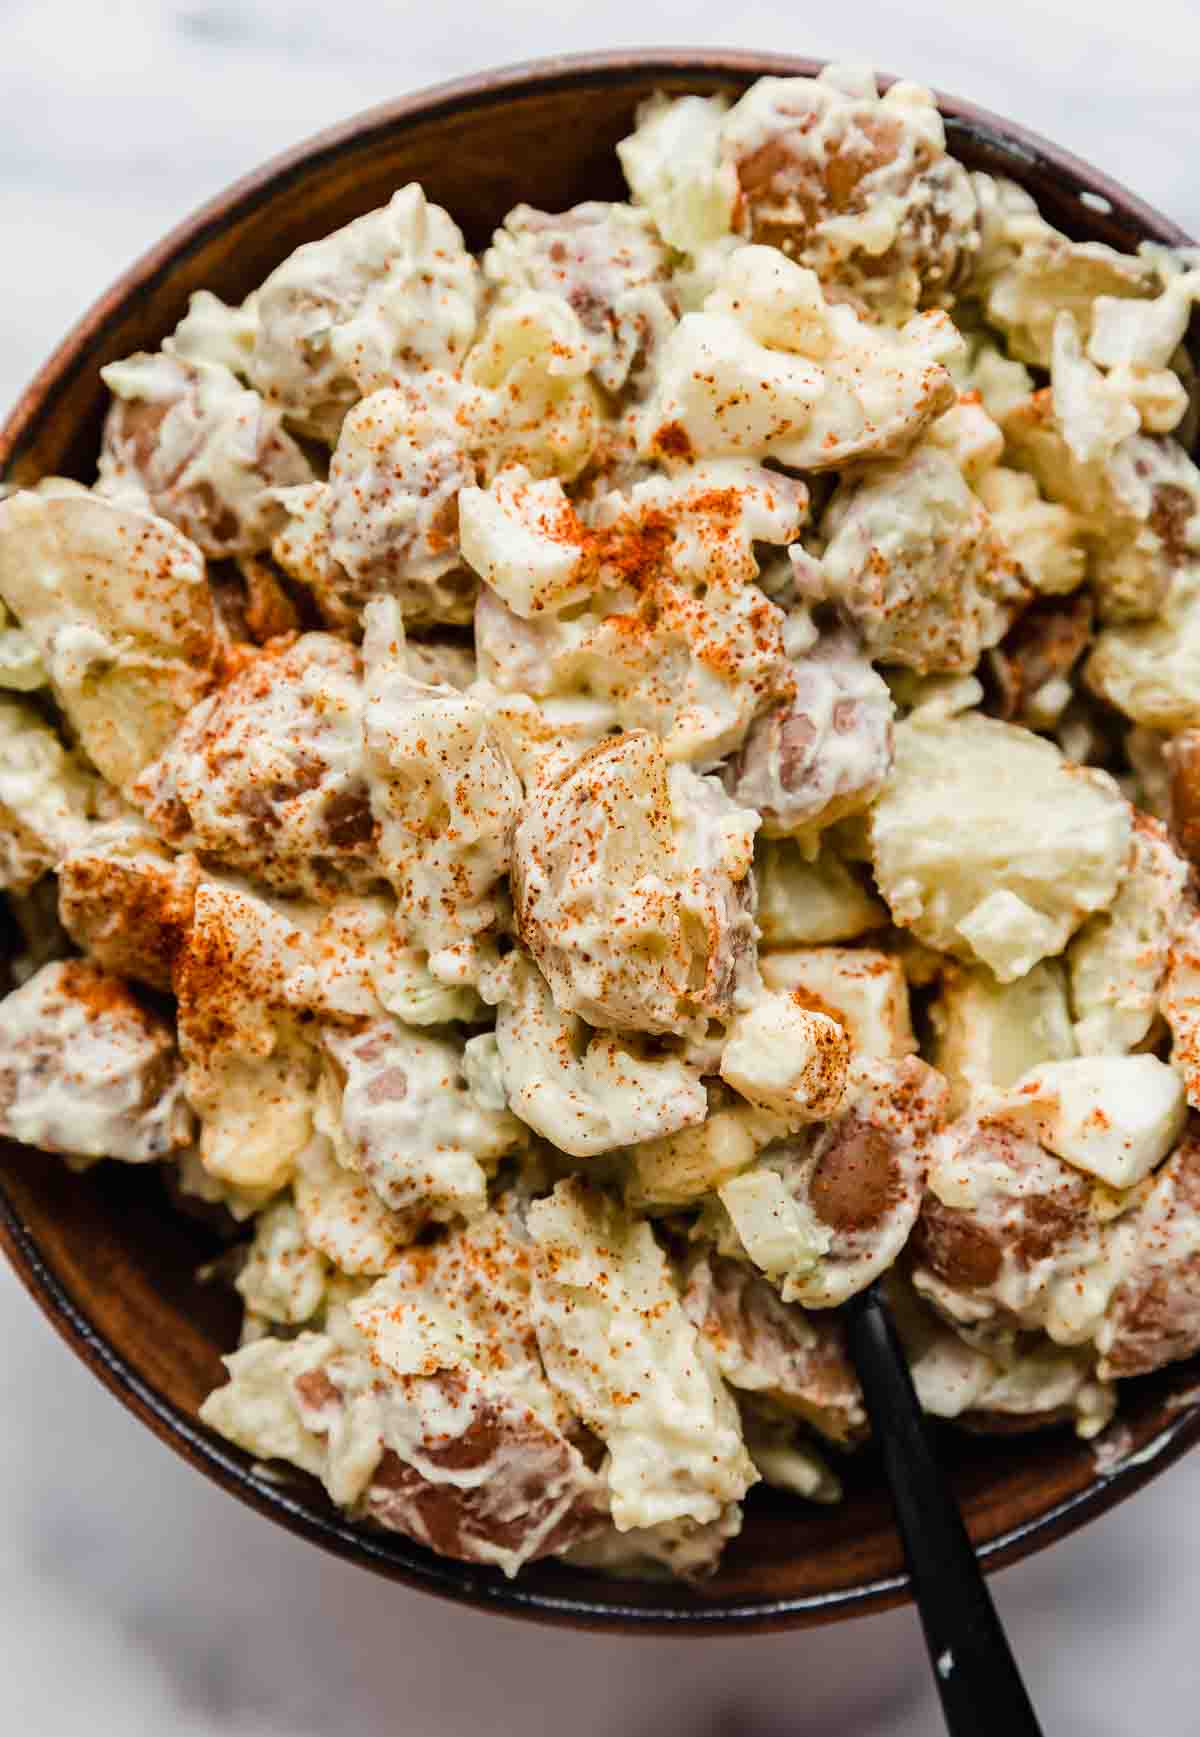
(976, 1675)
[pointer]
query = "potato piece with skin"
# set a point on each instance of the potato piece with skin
(1175, 763)
(632, 890)
(987, 1034)
(1118, 960)
(266, 777)
(390, 295)
(456, 1440)
(657, 1401)
(864, 990)
(608, 264)
(586, 1092)
(188, 441)
(1001, 1385)
(46, 797)
(385, 524)
(676, 638)
(403, 1115)
(1009, 1233)
(127, 901)
(343, 1217)
(825, 1212)
(1153, 1316)
(444, 797)
(88, 1071)
(251, 1073)
(771, 370)
(1135, 511)
(857, 186)
(955, 862)
(343, 962)
(117, 605)
(808, 903)
(1029, 673)
(826, 752)
(786, 1059)
(1180, 1002)
(774, 1349)
(915, 562)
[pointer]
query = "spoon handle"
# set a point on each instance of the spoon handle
(976, 1675)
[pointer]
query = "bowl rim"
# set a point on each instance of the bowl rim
(422, 1571)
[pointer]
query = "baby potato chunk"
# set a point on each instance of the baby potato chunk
(1118, 960)
(1134, 506)
(1154, 1315)
(773, 1349)
(632, 889)
(251, 1071)
(915, 561)
(825, 1212)
(608, 264)
(391, 295)
(1028, 273)
(653, 1394)
(87, 1070)
(444, 798)
(1114, 1117)
(857, 186)
(385, 523)
(193, 444)
(117, 605)
(823, 755)
(451, 1437)
(990, 845)
(587, 1092)
(995, 1382)
(128, 902)
(401, 1112)
(1008, 1233)
(770, 370)
(266, 777)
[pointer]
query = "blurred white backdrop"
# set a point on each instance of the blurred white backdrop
(135, 1599)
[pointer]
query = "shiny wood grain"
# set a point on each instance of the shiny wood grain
(108, 1257)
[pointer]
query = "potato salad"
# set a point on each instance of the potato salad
(586, 803)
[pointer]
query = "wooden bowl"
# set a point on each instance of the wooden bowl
(108, 1258)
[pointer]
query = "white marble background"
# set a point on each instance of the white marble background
(134, 1598)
